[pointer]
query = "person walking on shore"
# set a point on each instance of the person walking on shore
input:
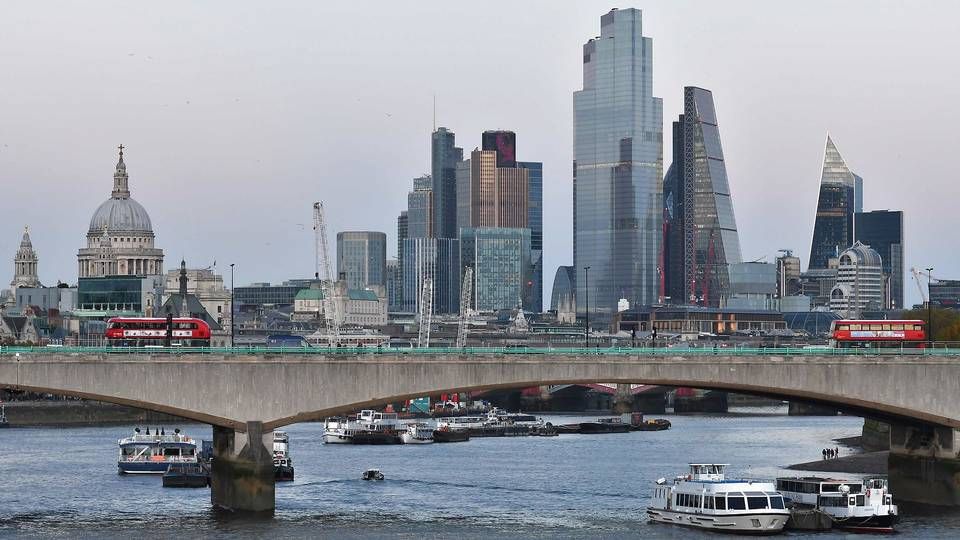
(824, 453)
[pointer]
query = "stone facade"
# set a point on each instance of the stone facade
(25, 265)
(120, 240)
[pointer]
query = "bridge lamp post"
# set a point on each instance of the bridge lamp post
(929, 310)
(231, 305)
(586, 287)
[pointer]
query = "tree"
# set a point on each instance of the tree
(946, 322)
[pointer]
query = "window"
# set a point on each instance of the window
(736, 503)
(855, 327)
(776, 501)
(757, 502)
(721, 502)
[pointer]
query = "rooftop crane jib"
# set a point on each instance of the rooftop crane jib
(322, 258)
(466, 288)
(426, 312)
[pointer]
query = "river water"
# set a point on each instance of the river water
(59, 482)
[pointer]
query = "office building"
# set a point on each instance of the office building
(207, 287)
(882, 230)
(362, 258)
(118, 295)
(860, 282)
(753, 286)
(360, 307)
(535, 224)
(700, 231)
(502, 270)
(818, 283)
(42, 299)
(259, 295)
(439, 260)
(841, 196)
(394, 286)
(617, 168)
(420, 208)
(120, 239)
(945, 293)
(444, 156)
(788, 274)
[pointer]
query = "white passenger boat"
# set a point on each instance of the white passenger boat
(417, 433)
(339, 430)
(144, 453)
(856, 505)
(705, 499)
(462, 422)
(282, 462)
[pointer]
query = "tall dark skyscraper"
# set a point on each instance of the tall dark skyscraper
(617, 169)
(882, 230)
(444, 156)
(700, 230)
(535, 223)
(504, 143)
(841, 196)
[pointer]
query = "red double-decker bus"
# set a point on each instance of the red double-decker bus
(147, 331)
(856, 334)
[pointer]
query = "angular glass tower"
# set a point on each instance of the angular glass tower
(617, 168)
(841, 196)
(700, 231)
(535, 223)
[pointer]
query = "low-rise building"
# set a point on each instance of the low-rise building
(360, 307)
(208, 288)
(689, 322)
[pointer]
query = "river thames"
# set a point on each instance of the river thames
(62, 482)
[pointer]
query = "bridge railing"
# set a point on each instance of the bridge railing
(952, 349)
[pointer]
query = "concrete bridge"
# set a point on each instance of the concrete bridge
(246, 396)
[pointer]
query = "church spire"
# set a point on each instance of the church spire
(121, 188)
(25, 264)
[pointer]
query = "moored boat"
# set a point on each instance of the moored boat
(445, 434)
(186, 475)
(282, 462)
(658, 424)
(144, 453)
(705, 499)
(855, 505)
(604, 425)
(417, 433)
(372, 474)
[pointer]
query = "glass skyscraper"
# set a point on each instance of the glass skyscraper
(444, 156)
(700, 231)
(617, 168)
(362, 258)
(502, 270)
(535, 223)
(841, 196)
(420, 208)
(882, 230)
(435, 258)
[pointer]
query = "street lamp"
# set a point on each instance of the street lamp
(231, 305)
(929, 310)
(586, 287)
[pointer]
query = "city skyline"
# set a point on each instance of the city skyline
(233, 151)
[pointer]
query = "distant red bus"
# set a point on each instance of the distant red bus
(847, 334)
(146, 331)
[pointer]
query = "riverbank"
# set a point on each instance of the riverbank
(81, 413)
(862, 463)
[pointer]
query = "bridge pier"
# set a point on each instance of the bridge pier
(924, 464)
(242, 477)
(623, 399)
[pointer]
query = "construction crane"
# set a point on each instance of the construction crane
(426, 312)
(322, 260)
(916, 278)
(466, 288)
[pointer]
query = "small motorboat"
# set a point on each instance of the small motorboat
(447, 435)
(372, 474)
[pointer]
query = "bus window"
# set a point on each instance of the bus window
(843, 327)
(854, 327)
(886, 327)
(896, 327)
(876, 327)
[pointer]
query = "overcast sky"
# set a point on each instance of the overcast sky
(238, 115)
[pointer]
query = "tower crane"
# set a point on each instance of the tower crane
(466, 288)
(916, 279)
(426, 312)
(322, 260)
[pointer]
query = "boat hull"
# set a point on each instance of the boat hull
(407, 438)
(375, 438)
(752, 524)
(336, 438)
(442, 436)
(283, 473)
(592, 428)
(143, 467)
(874, 523)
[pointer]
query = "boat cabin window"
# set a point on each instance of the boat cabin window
(708, 503)
(756, 501)
(132, 450)
(861, 500)
(776, 501)
(735, 501)
(720, 502)
(171, 451)
(833, 501)
(830, 488)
